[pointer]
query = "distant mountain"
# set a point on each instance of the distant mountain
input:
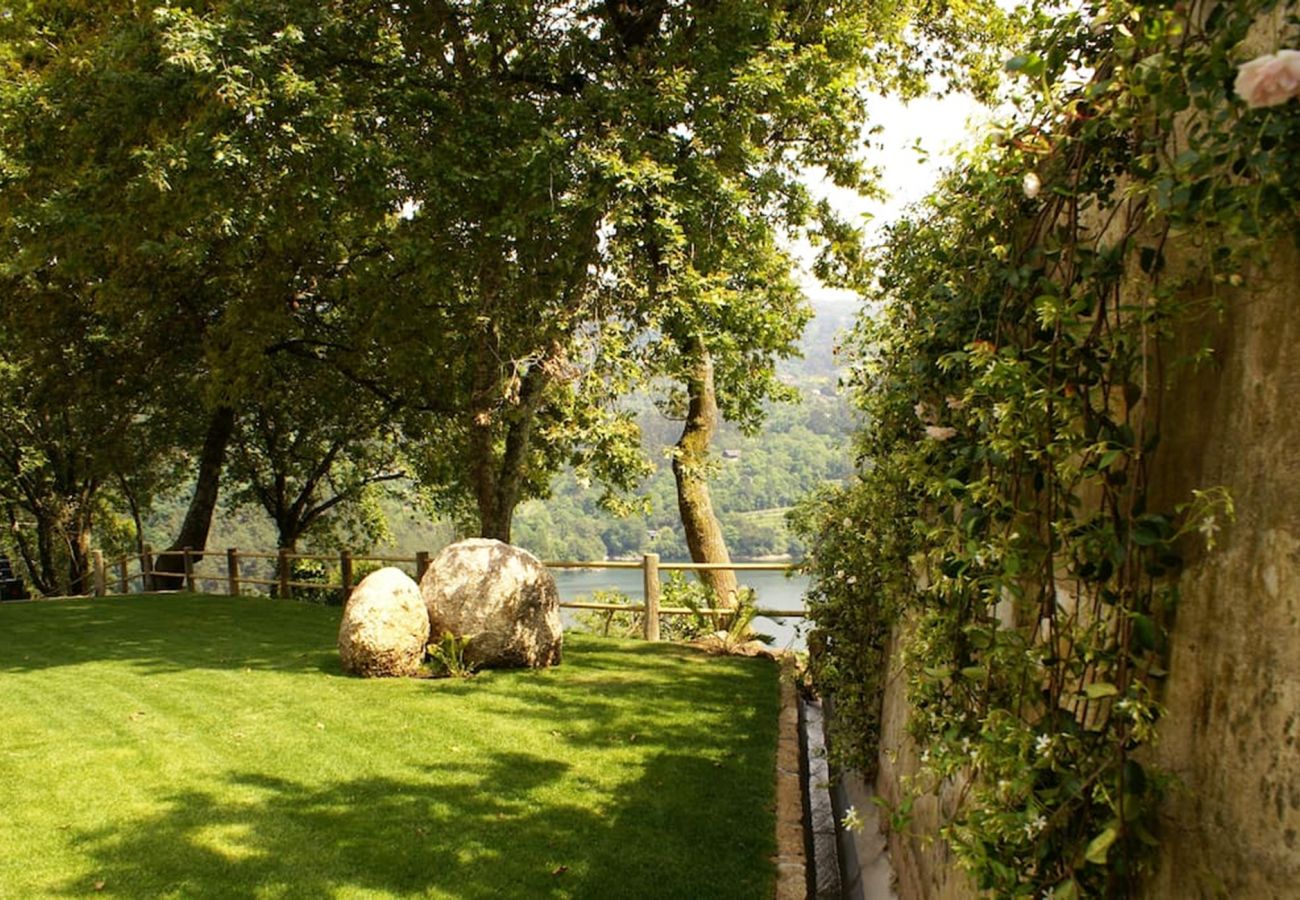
(833, 313)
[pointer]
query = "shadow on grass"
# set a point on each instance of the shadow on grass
(170, 633)
(680, 808)
(472, 830)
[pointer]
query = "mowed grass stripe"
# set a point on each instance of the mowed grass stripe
(210, 746)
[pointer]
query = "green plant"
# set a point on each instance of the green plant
(447, 657)
(740, 624)
(729, 630)
(611, 621)
(1028, 323)
(680, 590)
(313, 570)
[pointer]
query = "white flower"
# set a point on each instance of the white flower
(940, 432)
(851, 821)
(1044, 744)
(1208, 529)
(848, 523)
(1271, 79)
(1034, 826)
(922, 412)
(1031, 185)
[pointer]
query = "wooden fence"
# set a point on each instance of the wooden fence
(116, 576)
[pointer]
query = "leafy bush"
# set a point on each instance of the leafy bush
(608, 622)
(733, 628)
(679, 589)
(314, 570)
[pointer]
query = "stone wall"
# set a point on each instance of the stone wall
(1232, 732)
(1233, 693)
(923, 865)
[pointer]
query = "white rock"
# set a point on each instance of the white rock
(385, 626)
(501, 598)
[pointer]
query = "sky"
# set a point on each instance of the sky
(942, 125)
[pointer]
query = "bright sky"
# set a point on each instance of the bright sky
(942, 125)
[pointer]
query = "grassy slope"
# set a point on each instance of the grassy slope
(210, 746)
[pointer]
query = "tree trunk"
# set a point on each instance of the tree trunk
(690, 458)
(134, 506)
(40, 565)
(198, 518)
(78, 536)
(499, 475)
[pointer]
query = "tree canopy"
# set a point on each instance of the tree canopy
(488, 220)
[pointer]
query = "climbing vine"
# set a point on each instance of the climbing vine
(1011, 383)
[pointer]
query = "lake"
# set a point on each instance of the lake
(775, 590)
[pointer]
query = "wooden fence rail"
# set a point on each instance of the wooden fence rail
(233, 578)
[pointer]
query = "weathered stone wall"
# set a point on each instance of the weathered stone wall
(1232, 732)
(923, 865)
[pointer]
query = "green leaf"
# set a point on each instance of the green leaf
(1145, 534)
(1099, 689)
(1030, 64)
(1066, 890)
(1100, 846)
(1145, 631)
(1144, 835)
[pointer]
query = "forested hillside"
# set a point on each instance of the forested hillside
(755, 480)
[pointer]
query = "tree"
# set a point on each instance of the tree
(737, 115)
(612, 164)
(305, 454)
(67, 431)
(496, 218)
(209, 185)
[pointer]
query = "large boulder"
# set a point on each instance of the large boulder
(499, 597)
(385, 627)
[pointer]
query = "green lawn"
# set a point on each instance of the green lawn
(198, 746)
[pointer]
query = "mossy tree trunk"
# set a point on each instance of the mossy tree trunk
(690, 469)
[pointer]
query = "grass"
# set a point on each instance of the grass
(774, 516)
(199, 746)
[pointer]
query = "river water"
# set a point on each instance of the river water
(775, 590)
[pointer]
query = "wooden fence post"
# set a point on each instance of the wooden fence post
(345, 573)
(282, 564)
(421, 565)
(650, 572)
(191, 584)
(232, 571)
(123, 576)
(101, 574)
(146, 568)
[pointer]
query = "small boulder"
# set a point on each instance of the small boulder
(499, 597)
(385, 627)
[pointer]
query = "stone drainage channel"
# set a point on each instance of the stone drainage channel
(815, 857)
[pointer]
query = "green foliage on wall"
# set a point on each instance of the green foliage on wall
(1011, 382)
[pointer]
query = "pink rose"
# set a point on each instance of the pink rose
(1269, 80)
